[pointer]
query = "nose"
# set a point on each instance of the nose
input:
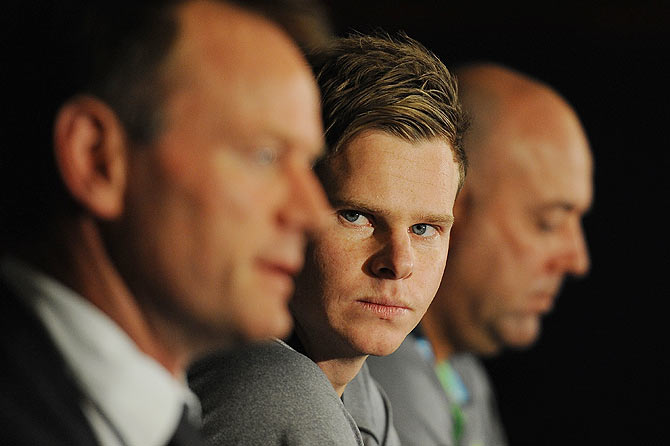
(307, 207)
(395, 259)
(582, 262)
(575, 256)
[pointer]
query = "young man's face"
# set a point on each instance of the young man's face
(373, 271)
(218, 205)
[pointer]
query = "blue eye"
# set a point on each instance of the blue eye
(423, 229)
(353, 217)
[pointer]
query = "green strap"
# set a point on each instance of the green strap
(450, 383)
(458, 422)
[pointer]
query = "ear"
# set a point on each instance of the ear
(462, 204)
(90, 151)
(461, 212)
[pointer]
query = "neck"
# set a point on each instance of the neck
(76, 256)
(434, 332)
(340, 371)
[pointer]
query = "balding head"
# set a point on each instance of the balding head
(517, 121)
(518, 219)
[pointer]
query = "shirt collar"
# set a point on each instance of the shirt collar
(141, 398)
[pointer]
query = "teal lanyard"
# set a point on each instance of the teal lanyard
(457, 392)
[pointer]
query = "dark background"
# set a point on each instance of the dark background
(598, 374)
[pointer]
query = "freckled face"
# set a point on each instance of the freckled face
(374, 269)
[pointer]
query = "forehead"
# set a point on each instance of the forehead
(385, 171)
(245, 70)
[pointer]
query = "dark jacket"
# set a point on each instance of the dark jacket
(39, 400)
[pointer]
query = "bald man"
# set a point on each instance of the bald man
(516, 237)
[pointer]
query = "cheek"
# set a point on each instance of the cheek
(428, 276)
(485, 267)
(228, 187)
(506, 254)
(334, 263)
(236, 208)
(217, 216)
(522, 244)
(336, 267)
(219, 181)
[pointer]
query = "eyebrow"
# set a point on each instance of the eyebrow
(315, 155)
(441, 219)
(562, 205)
(558, 204)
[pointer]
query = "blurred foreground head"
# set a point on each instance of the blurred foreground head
(158, 162)
(518, 230)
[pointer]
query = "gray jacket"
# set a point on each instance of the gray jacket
(421, 408)
(269, 394)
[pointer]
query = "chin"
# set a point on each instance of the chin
(522, 339)
(519, 332)
(378, 344)
(278, 325)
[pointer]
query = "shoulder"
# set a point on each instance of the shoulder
(39, 402)
(371, 409)
(269, 372)
(363, 398)
(259, 368)
(421, 410)
(268, 394)
(405, 366)
(472, 371)
(482, 409)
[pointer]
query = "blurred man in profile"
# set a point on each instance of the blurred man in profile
(517, 235)
(160, 206)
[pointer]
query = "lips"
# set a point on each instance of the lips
(384, 308)
(287, 268)
(280, 273)
(543, 303)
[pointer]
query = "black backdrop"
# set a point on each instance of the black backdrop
(598, 374)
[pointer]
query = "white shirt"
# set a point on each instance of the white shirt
(131, 400)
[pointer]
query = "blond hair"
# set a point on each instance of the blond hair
(391, 84)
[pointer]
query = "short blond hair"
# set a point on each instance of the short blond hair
(392, 84)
